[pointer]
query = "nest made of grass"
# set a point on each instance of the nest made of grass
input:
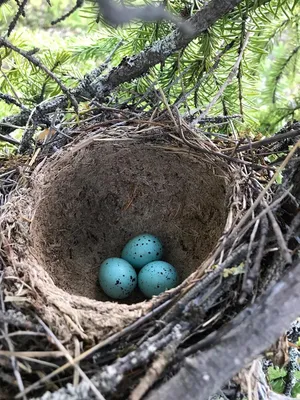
(82, 204)
(241, 264)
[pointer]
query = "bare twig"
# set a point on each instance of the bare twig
(9, 139)
(286, 254)
(292, 368)
(35, 354)
(252, 274)
(250, 252)
(27, 138)
(76, 353)
(78, 4)
(11, 100)
(293, 132)
(273, 206)
(220, 119)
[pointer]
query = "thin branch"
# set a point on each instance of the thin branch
(293, 132)
(78, 4)
(11, 100)
(285, 252)
(220, 119)
(228, 80)
(292, 368)
(248, 260)
(37, 63)
(20, 12)
(253, 273)
(9, 139)
(27, 138)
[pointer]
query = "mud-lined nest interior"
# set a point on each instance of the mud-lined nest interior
(93, 200)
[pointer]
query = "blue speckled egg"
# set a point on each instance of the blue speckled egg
(142, 250)
(117, 278)
(156, 277)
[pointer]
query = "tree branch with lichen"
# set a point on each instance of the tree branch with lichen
(95, 85)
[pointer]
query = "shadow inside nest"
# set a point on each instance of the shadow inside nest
(95, 199)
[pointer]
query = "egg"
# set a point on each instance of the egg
(142, 250)
(117, 278)
(156, 277)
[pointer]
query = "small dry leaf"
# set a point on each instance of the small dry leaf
(45, 134)
(278, 353)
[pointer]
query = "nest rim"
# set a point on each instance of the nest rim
(73, 323)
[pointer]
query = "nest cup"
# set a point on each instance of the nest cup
(83, 204)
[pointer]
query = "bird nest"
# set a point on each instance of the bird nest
(82, 204)
(65, 211)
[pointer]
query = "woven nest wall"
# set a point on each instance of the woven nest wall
(84, 203)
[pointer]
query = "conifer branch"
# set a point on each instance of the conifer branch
(135, 66)
(29, 56)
